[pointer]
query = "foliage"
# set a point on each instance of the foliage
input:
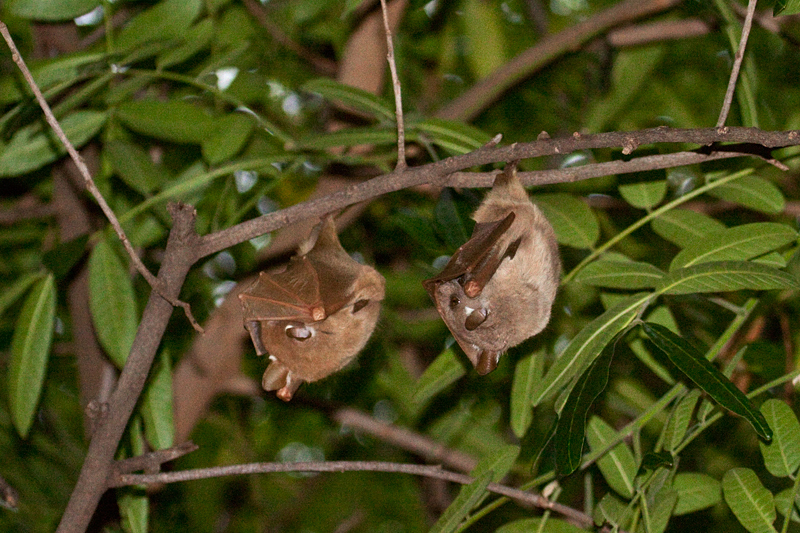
(208, 104)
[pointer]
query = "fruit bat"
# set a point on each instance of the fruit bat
(313, 317)
(498, 287)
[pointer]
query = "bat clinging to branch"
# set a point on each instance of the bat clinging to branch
(498, 288)
(315, 316)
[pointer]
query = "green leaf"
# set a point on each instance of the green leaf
(735, 244)
(752, 504)
(782, 455)
(695, 492)
(573, 221)
(135, 167)
(443, 372)
(571, 427)
(783, 503)
(31, 148)
(134, 510)
(725, 276)
(112, 302)
(467, 498)
(530, 525)
(610, 510)
(618, 465)
(10, 294)
(196, 39)
(786, 7)
(586, 345)
(30, 348)
(170, 19)
(620, 275)
(527, 372)
(349, 137)
(644, 195)
(156, 407)
(684, 227)
(753, 192)
(679, 421)
(457, 137)
(659, 512)
(230, 133)
(498, 462)
(706, 376)
(352, 97)
(65, 255)
(51, 10)
(174, 120)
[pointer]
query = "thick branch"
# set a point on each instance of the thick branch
(178, 258)
(437, 173)
(352, 466)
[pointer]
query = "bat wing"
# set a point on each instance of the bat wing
(293, 294)
(476, 261)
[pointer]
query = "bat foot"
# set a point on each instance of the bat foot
(278, 378)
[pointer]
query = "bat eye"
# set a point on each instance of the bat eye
(454, 301)
(359, 305)
(298, 333)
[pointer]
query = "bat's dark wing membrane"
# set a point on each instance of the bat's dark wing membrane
(476, 261)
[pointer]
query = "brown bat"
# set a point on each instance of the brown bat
(315, 316)
(498, 287)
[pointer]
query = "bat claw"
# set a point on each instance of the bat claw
(487, 361)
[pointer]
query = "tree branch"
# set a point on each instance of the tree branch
(398, 98)
(438, 173)
(737, 64)
(436, 472)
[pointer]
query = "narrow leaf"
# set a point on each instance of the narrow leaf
(445, 370)
(352, 97)
(752, 504)
(31, 147)
(112, 302)
(706, 376)
(134, 510)
(573, 221)
(462, 505)
(786, 7)
(156, 407)
(51, 10)
(679, 421)
(571, 427)
(135, 167)
(170, 19)
(174, 120)
(684, 227)
(30, 347)
(586, 345)
(618, 466)
(620, 275)
(735, 244)
(753, 192)
(349, 137)
(457, 137)
(9, 295)
(448, 221)
(228, 137)
(725, 276)
(526, 373)
(499, 462)
(530, 525)
(660, 511)
(695, 492)
(782, 455)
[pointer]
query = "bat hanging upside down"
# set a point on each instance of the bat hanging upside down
(315, 316)
(498, 288)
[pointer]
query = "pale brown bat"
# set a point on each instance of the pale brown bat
(315, 316)
(498, 288)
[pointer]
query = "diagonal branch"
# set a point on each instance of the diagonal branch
(398, 98)
(737, 63)
(436, 472)
(87, 177)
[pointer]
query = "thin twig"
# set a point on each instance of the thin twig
(398, 98)
(737, 64)
(87, 177)
(436, 472)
